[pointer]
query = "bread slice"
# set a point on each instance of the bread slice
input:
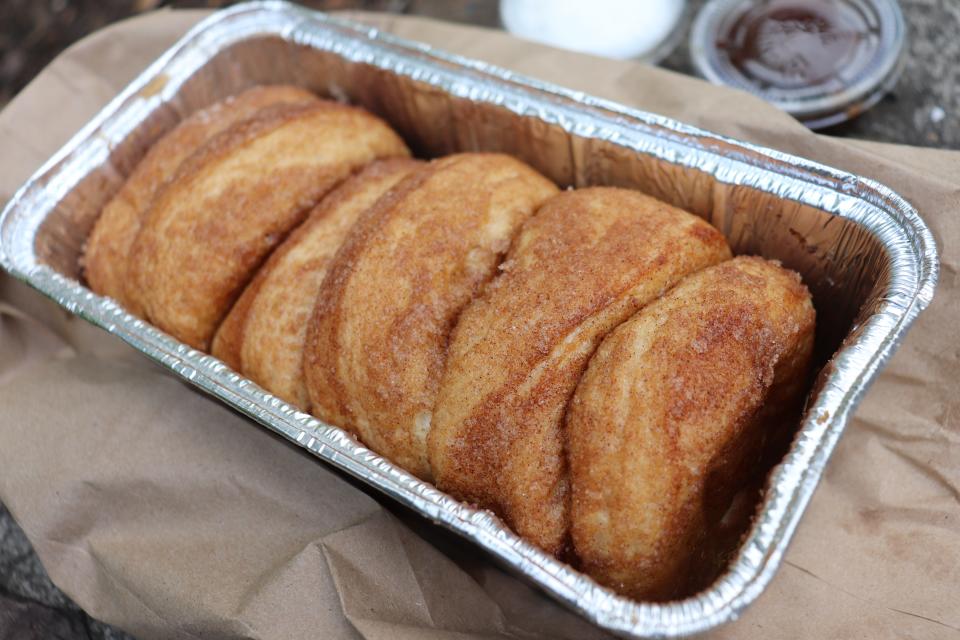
(585, 263)
(263, 335)
(377, 344)
(669, 420)
(236, 199)
(106, 251)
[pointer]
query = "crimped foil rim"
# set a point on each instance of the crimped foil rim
(895, 222)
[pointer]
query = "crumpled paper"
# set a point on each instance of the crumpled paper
(163, 512)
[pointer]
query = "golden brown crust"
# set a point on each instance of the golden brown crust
(227, 344)
(234, 200)
(587, 261)
(263, 335)
(105, 254)
(670, 416)
(377, 343)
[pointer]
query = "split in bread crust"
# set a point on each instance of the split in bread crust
(263, 335)
(107, 248)
(671, 415)
(586, 262)
(236, 199)
(377, 343)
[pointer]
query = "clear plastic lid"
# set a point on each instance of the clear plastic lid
(823, 61)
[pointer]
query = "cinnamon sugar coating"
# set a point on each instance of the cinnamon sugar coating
(377, 343)
(586, 262)
(671, 414)
(263, 335)
(107, 248)
(236, 199)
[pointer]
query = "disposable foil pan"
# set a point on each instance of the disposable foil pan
(866, 255)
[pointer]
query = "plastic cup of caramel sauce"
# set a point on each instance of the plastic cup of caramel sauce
(822, 61)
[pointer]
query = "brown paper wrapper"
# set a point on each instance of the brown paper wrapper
(165, 513)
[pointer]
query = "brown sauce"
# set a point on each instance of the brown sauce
(790, 44)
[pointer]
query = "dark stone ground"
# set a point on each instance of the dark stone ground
(924, 109)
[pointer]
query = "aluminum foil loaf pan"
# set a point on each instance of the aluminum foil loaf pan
(866, 255)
